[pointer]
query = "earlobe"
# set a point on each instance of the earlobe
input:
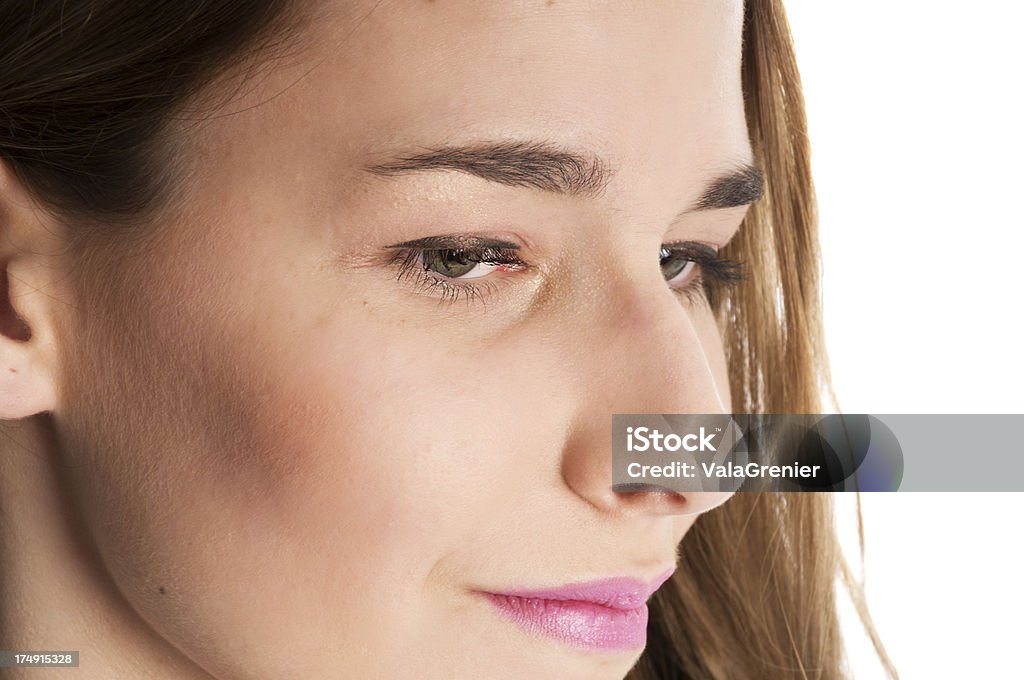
(27, 303)
(26, 378)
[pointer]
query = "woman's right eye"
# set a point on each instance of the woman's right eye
(456, 267)
(457, 263)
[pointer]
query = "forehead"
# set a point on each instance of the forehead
(653, 87)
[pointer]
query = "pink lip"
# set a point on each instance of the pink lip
(610, 614)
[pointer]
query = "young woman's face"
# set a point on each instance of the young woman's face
(303, 451)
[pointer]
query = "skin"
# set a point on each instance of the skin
(240, 447)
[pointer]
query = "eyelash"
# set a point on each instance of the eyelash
(715, 274)
(410, 263)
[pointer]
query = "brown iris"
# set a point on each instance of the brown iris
(449, 262)
(673, 262)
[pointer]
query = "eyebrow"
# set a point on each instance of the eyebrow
(544, 166)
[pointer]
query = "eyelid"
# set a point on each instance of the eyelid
(407, 259)
(716, 273)
(455, 242)
(693, 246)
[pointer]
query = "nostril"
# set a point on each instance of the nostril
(646, 498)
(632, 488)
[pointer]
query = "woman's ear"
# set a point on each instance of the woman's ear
(30, 261)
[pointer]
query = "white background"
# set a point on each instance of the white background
(915, 121)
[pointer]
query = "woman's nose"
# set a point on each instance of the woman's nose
(650, 353)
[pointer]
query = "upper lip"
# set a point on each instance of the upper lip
(617, 592)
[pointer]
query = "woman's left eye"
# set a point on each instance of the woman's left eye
(699, 272)
(676, 266)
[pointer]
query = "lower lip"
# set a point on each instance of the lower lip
(582, 624)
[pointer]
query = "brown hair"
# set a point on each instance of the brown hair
(88, 90)
(754, 596)
(87, 93)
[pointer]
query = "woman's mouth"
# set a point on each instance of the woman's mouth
(606, 615)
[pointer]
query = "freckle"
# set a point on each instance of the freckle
(162, 591)
(364, 302)
(13, 370)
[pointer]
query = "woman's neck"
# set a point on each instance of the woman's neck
(55, 593)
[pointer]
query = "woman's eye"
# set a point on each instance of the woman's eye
(457, 267)
(676, 265)
(699, 272)
(456, 264)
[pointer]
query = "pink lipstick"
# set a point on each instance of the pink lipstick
(605, 615)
